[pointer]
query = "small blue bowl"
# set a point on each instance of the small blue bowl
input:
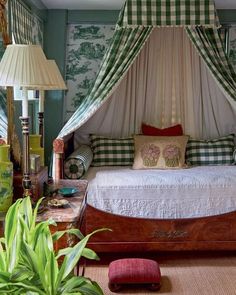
(68, 191)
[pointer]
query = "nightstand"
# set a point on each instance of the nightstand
(69, 216)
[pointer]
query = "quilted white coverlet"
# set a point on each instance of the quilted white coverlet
(182, 193)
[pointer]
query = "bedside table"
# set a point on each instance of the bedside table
(69, 216)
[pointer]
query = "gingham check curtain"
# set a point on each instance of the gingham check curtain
(209, 45)
(130, 36)
(169, 13)
(125, 46)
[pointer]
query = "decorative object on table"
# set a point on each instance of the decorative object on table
(37, 184)
(134, 271)
(25, 66)
(27, 260)
(34, 163)
(35, 147)
(6, 178)
(68, 191)
(58, 203)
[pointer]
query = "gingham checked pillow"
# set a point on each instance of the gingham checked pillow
(112, 151)
(217, 151)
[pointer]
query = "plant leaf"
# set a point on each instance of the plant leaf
(73, 257)
(90, 254)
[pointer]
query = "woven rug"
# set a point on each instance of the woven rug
(188, 275)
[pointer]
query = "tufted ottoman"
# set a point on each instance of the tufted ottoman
(130, 271)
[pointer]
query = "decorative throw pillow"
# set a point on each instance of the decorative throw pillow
(163, 152)
(111, 151)
(78, 162)
(154, 131)
(217, 151)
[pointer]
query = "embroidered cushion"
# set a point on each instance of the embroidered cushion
(217, 151)
(154, 131)
(78, 162)
(112, 151)
(134, 271)
(163, 152)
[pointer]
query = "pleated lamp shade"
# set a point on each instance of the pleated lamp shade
(24, 66)
(57, 80)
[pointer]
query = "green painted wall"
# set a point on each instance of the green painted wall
(227, 16)
(54, 48)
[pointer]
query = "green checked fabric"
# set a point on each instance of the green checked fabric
(112, 152)
(125, 46)
(211, 152)
(129, 39)
(209, 45)
(169, 13)
(78, 162)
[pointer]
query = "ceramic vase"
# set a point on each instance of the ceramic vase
(6, 178)
(35, 148)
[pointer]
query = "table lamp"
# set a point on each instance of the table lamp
(57, 84)
(25, 66)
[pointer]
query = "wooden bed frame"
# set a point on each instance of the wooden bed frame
(131, 234)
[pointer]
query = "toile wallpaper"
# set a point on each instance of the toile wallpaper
(86, 46)
(232, 46)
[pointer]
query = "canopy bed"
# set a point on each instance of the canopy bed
(165, 66)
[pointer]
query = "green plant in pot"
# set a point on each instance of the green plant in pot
(28, 262)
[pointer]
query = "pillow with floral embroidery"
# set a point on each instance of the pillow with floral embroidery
(159, 152)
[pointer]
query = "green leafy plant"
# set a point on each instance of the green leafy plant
(28, 262)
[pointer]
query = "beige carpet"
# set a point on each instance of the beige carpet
(191, 274)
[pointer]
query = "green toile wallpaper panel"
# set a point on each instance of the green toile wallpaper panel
(232, 46)
(86, 46)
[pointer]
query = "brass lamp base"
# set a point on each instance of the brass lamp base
(26, 181)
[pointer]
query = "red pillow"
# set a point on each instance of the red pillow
(154, 131)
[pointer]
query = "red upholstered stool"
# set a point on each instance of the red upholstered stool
(129, 271)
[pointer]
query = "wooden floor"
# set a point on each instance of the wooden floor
(182, 273)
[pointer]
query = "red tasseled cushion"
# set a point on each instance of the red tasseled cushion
(154, 131)
(133, 271)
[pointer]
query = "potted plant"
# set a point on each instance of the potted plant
(28, 262)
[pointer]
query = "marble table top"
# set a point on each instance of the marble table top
(69, 213)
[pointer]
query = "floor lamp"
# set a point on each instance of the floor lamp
(25, 66)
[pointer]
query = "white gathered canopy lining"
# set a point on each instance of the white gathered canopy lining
(167, 84)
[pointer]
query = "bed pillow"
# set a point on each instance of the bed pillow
(154, 131)
(164, 152)
(112, 151)
(78, 162)
(217, 151)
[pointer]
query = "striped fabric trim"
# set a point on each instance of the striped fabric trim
(209, 45)
(170, 13)
(22, 23)
(78, 162)
(3, 113)
(211, 152)
(112, 152)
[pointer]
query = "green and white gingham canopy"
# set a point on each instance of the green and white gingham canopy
(135, 24)
(169, 13)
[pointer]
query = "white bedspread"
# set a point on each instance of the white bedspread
(182, 193)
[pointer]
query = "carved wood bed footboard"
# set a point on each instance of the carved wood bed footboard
(138, 234)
